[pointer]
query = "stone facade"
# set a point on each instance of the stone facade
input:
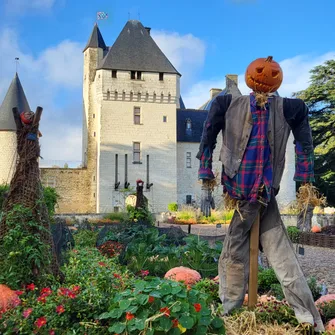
(8, 156)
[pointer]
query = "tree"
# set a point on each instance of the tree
(320, 99)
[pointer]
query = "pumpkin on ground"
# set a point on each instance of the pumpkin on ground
(264, 75)
(316, 229)
(183, 274)
(325, 298)
(330, 325)
(8, 298)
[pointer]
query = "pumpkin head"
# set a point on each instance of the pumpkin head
(183, 274)
(8, 298)
(330, 325)
(264, 75)
(316, 229)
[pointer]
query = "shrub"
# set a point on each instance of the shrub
(173, 207)
(209, 287)
(85, 238)
(266, 278)
(186, 213)
(116, 216)
(314, 287)
(293, 233)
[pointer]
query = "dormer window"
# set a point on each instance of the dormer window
(114, 74)
(161, 76)
(135, 75)
(188, 124)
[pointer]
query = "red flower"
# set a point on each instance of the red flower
(75, 251)
(40, 322)
(76, 289)
(27, 312)
(46, 291)
(30, 287)
(42, 299)
(144, 273)
(166, 311)
(52, 332)
(102, 264)
(197, 307)
(151, 299)
(60, 309)
(129, 316)
(72, 295)
(63, 291)
(19, 292)
(175, 323)
(117, 276)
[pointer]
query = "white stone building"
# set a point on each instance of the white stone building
(135, 126)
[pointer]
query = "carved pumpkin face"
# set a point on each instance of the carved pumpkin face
(264, 75)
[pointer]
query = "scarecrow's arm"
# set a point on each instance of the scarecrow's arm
(212, 127)
(296, 114)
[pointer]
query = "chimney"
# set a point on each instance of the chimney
(231, 79)
(214, 92)
(147, 29)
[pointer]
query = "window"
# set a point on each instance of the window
(94, 134)
(188, 124)
(188, 199)
(136, 75)
(161, 76)
(116, 209)
(93, 116)
(114, 74)
(139, 75)
(132, 74)
(164, 118)
(136, 152)
(137, 115)
(108, 94)
(188, 160)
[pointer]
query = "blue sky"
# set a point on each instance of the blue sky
(204, 40)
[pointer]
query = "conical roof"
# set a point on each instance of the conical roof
(135, 50)
(15, 97)
(96, 40)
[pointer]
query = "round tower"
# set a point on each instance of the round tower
(15, 97)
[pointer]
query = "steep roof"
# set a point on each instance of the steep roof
(135, 50)
(96, 40)
(197, 118)
(15, 97)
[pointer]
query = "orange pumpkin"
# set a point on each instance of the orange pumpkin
(8, 298)
(316, 229)
(183, 274)
(264, 75)
(330, 325)
(325, 298)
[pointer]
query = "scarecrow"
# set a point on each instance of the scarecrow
(255, 130)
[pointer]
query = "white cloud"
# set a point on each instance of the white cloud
(58, 68)
(185, 52)
(22, 6)
(296, 78)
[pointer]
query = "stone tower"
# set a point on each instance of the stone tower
(131, 93)
(15, 97)
(93, 54)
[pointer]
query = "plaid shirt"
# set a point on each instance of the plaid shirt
(255, 169)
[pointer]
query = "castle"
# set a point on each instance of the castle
(135, 126)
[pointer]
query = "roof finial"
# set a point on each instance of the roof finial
(17, 62)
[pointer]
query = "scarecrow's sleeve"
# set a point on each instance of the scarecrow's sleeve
(296, 114)
(212, 126)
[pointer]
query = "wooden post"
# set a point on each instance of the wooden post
(253, 267)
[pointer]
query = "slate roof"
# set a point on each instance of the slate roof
(96, 40)
(135, 50)
(197, 117)
(15, 97)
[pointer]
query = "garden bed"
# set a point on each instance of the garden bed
(317, 239)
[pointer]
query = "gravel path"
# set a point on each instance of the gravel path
(316, 262)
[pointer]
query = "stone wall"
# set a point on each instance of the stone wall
(72, 186)
(8, 154)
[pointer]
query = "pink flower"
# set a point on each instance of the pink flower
(40, 322)
(60, 309)
(27, 312)
(51, 332)
(144, 273)
(30, 287)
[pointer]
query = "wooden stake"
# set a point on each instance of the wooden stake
(253, 267)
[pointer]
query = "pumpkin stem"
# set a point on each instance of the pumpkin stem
(269, 59)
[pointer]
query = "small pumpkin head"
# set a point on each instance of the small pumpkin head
(316, 229)
(264, 75)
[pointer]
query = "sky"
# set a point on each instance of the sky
(203, 40)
